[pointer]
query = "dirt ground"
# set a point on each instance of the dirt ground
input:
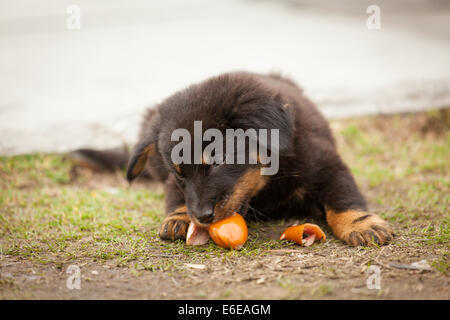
(53, 216)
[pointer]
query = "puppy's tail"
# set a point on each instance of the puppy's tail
(103, 160)
(100, 160)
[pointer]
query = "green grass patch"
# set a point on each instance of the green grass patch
(48, 216)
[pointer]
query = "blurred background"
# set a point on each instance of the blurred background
(65, 86)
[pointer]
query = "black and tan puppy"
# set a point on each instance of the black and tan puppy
(311, 174)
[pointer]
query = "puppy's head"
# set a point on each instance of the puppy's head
(214, 189)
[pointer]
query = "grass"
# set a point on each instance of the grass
(442, 264)
(48, 216)
(403, 162)
(44, 215)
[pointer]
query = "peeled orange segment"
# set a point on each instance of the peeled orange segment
(229, 233)
(304, 234)
(196, 235)
(309, 240)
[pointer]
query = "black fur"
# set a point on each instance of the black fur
(311, 177)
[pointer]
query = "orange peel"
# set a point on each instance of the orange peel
(297, 234)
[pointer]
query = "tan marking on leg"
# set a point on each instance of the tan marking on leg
(246, 188)
(179, 210)
(358, 227)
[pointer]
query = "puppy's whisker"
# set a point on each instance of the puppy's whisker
(286, 176)
(259, 212)
(255, 212)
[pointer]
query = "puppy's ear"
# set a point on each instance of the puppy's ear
(139, 157)
(267, 114)
(145, 147)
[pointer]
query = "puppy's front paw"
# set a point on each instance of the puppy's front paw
(175, 226)
(375, 230)
(359, 228)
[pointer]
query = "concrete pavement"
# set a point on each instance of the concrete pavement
(62, 89)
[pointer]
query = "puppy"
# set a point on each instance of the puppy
(310, 176)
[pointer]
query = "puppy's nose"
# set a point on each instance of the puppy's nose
(206, 216)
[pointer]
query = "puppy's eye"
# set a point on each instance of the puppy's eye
(178, 176)
(213, 159)
(219, 163)
(178, 172)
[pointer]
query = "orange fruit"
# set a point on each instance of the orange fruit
(296, 234)
(230, 233)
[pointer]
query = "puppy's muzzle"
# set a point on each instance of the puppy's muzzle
(206, 215)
